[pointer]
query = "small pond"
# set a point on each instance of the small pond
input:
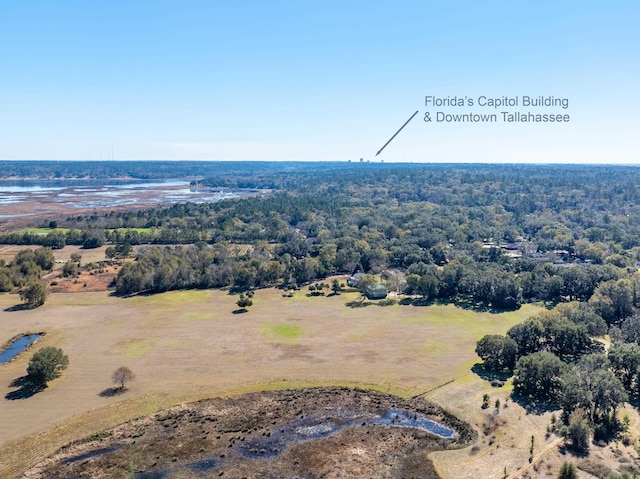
(319, 426)
(17, 346)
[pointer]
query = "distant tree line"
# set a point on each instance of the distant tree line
(137, 170)
(442, 225)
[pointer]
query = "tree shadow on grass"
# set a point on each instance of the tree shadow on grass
(239, 311)
(26, 389)
(18, 307)
(459, 302)
(111, 392)
(476, 306)
(358, 304)
(532, 406)
(488, 375)
(566, 448)
(416, 301)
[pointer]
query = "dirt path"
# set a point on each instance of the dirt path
(536, 459)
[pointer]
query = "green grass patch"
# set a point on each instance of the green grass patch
(136, 349)
(174, 297)
(147, 231)
(43, 231)
(289, 331)
(286, 333)
(452, 317)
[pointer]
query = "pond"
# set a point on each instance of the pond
(17, 346)
(324, 425)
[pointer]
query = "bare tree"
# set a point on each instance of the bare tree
(122, 375)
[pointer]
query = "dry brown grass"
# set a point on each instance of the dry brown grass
(189, 344)
(508, 439)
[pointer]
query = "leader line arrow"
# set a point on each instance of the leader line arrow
(396, 133)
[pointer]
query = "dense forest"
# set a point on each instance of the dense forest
(493, 235)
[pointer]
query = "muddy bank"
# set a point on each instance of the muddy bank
(319, 432)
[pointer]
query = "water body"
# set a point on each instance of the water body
(202, 466)
(34, 186)
(320, 426)
(17, 346)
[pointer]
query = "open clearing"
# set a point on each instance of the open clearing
(187, 345)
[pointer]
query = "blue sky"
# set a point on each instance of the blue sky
(314, 80)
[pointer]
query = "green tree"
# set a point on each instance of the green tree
(34, 295)
(335, 286)
(497, 352)
(110, 252)
(563, 337)
(593, 389)
(123, 250)
(244, 302)
(46, 365)
(70, 268)
(579, 431)
(625, 361)
(120, 250)
(55, 240)
(568, 471)
(550, 331)
(527, 335)
(538, 376)
(44, 258)
(613, 300)
(505, 292)
(630, 329)
(582, 313)
(93, 239)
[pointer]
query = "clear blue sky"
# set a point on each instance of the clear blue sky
(314, 80)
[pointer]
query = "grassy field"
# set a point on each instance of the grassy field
(137, 230)
(187, 345)
(43, 231)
